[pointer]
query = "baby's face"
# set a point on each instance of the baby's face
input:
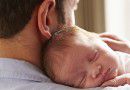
(90, 63)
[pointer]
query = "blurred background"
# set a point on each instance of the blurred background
(105, 16)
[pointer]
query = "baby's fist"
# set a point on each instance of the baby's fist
(118, 81)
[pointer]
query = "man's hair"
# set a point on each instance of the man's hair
(15, 14)
(60, 10)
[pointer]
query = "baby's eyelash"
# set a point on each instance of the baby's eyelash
(94, 57)
(90, 60)
(81, 84)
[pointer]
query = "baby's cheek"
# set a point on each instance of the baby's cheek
(112, 60)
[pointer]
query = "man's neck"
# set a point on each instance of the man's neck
(30, 53)
(27, 49)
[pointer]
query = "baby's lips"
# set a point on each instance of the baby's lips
(106, 75)
(107, 83)
(108, 78)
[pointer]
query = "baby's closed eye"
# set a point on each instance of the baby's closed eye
(94, 57)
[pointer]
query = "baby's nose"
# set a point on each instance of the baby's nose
(96, 71)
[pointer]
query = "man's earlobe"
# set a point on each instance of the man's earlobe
(43, 20)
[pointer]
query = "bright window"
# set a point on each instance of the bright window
(117, 17)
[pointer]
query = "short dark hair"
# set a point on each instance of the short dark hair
(14, 15)
(60, 10)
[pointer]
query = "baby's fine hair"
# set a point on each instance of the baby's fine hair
(57, 47)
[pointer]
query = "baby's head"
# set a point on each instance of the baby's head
(79, 58)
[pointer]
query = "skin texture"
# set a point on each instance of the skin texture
(86, 63)
(71, 5)
(27, 45)
(119, 44)
(115, 42)
(119, 80)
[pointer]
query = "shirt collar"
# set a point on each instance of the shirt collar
(19, 69)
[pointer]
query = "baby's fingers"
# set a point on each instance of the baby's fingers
(110, 36)
(115, 45)
(115, 82)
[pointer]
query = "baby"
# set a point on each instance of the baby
(80, 59)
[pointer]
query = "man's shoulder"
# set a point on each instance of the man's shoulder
(21, 75)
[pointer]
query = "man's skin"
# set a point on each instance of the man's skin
(27, 44)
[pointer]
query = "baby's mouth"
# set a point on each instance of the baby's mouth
(109, 74)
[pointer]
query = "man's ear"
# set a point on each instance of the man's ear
(43, 18)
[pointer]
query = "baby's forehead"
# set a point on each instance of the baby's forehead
(84, 39)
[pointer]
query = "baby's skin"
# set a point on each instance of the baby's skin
(81, 59)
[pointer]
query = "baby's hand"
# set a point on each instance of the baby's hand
(118, 81)
(116, 43)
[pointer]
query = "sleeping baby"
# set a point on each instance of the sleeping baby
(78, 58)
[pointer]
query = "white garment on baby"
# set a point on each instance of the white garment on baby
(125, 58)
